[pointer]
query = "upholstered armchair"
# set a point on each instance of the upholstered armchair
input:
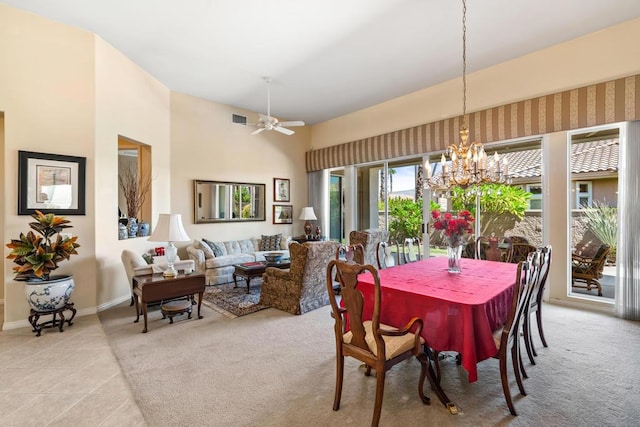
(369, 239)
(300, 288)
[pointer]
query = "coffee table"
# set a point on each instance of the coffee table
(249, 270)
(155, 287)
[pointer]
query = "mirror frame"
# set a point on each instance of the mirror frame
(261, 208)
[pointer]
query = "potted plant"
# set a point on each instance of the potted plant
(37, 255)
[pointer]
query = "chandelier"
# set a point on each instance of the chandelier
(469, 164)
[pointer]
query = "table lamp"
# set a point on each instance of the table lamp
(307, 215)
(169, 229)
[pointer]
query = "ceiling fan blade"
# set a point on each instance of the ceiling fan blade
(294, 123)
(257, 131)
(283, 130)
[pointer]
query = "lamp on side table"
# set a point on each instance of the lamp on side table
(307, 215)
(170, 229)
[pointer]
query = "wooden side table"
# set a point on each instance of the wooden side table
(155, 288)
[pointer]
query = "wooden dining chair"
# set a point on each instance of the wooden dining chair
(384, 256)
(535, 302)
(507, 338)
(351, 253)
(378, 345)
(411, 249)
(518, 252)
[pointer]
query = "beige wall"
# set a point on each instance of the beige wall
(206, 145)
(66, 91)
(47, 96)
(131, 103)
(2, 197)
(604, 55)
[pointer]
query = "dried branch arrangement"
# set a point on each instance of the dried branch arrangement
(135, 189)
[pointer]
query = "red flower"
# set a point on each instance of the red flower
(454, 227)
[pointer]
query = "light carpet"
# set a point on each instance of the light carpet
(271, 368)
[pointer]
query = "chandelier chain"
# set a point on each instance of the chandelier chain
(464, 61)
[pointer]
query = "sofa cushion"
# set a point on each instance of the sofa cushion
(270, 243)
(227, 260)
(246, 246)
(208, 253)
(218, 249)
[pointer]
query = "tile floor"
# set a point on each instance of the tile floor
(63, 379)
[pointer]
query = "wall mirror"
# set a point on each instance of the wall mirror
(219, 201)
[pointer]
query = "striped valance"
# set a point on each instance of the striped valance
(602, 103)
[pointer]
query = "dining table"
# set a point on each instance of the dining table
(460, 311)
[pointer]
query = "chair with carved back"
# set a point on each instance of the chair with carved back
(535, 302)
(411, 249)
(507, 338)
(384, 256)
(588, 270)
(518, 252)
(377, 345)
(369, 239)
(351, 253)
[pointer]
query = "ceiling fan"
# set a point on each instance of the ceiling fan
(268, 122)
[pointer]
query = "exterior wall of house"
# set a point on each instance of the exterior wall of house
(606, 190)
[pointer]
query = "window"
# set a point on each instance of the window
(535, 202)
(584, 194)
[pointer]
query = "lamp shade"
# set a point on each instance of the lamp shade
(307, 214)
(169, 229)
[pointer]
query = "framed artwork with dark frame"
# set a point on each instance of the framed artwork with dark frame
(283, 214)
(281, 190)
(51, 183)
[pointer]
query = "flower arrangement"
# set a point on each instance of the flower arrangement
(454, 227)
(37, 256)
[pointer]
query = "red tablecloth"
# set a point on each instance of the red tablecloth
(459, 311)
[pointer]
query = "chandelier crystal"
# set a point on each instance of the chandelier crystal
(469, 164)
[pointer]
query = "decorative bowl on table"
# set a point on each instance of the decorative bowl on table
(272, 257)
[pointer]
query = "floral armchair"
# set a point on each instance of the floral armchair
(369, 239)
(302, 287)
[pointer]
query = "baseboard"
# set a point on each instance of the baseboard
(607, 308)
(81, 312)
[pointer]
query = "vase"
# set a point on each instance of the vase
(143, 229)
(454, 253)
(132, 227)
(49, 295)
(122, 232)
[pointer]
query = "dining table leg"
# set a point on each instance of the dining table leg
(434, 380)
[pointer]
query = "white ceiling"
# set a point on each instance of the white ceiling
(326, 57)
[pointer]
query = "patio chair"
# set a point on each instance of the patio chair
(377, 345)
(587, 270)
(518, 252)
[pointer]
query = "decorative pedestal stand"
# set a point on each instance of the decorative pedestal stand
(34, 316)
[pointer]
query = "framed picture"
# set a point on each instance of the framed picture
(51, 183)
(283, 214)
(281, 190)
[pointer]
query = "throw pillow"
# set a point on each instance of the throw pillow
(148, 258)
(208, 253)
(217, 250)
(270, 243)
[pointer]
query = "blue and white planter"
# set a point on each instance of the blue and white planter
(49, 295)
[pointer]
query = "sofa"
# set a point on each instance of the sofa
(303, 286)
(217, 259)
